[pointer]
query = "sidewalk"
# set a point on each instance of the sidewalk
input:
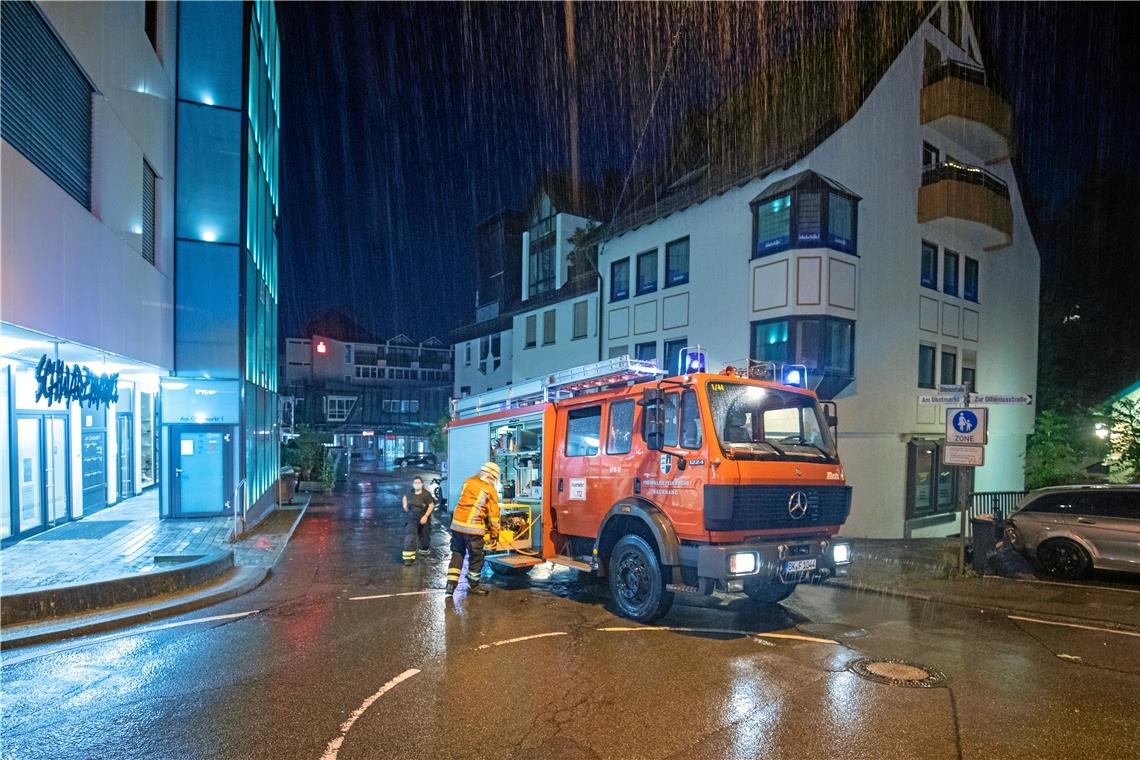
(144, 565)
(926, 569)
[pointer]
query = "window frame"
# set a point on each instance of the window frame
(947, 256)
(549, 327)
(570, 417)
(668, 357)
(637, 350)
(923, 347)
(682, 419)
(530, 332)
(971, 293)
(615, 294)
(673, 397)
(826, 239)
(670, 249)
(575, 334)
(935, 507)
(625, 402)
(942, 359)
(823, 363)
(932, 149)
(650, 287)
(930, 282)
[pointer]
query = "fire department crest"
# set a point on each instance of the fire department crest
(666, 464)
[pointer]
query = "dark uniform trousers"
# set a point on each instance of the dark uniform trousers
(472, 546)
(417, 537)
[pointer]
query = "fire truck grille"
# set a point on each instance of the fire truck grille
(775, 507)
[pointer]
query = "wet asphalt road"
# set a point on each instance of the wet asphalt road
(311, 672)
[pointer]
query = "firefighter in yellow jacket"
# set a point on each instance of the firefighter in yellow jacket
(476, 513)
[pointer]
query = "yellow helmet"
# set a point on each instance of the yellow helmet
(491, 469)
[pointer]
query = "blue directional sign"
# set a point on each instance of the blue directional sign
(966, 426)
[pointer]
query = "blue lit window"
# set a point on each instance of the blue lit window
(929, 265)
(774, 224)
(950, 273)
(805, 210)
(970, 284)
(677, 262)
(647, 272)
(619, 280)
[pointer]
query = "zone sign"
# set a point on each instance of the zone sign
(966, 426)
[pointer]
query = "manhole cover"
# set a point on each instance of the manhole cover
(897, 673)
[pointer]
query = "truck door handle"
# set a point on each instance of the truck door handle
(560, 485)
(1086, 521)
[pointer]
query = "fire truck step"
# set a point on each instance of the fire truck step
(515, 560)
(565, 561)
(680, 587)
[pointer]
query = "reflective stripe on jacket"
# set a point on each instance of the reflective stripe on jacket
(477, 510)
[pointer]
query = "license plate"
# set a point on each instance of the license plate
(799, 565)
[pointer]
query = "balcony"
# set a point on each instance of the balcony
(968, 202)
(957, 102)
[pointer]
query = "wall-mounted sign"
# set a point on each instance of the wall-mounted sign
(57, 382)
(193, 401)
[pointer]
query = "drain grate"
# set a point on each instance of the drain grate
(897, 672)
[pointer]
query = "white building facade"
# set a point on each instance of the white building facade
(893, 257)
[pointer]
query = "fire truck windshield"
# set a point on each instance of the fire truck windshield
(754, 422)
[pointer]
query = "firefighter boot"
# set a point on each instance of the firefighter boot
(477, 588)
(449, 589)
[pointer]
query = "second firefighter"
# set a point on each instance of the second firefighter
(476, 514)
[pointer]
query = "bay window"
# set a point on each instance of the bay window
(825, 345)
(805, 210)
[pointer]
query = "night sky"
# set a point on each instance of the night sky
(403, 126)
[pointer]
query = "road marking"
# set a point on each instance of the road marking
(334, 746)
(389, 596)
(520, 638)
(1076, 585)
(124, 634)
(724, 631)
(1074, 625)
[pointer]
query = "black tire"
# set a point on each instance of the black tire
(637, 583)
(768, 591)
(1062, 558)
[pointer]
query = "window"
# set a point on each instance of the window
(954, 22)
(671, 356)
(647, 272)
(949, 273)
(151, 22)
(619, 280)
(51, 127)
(949, 374)
(677, 262)
(931, 57)
(970, 285)
(774, 224)
(645, 351)
(932, 487)
(531, 331)
(337, 408)
(541, 272)
(148, 210)
(618, 351)
(467, 355)
(548, 327)
(809, 222)
(582, 430)
(348, 353)
(970, 378)
(929, 265)
(464, 391)
(620, 437)
(929, 155)
(691, 437)
(672, 406)
(841, 222)
(825, 345)
(581, 319)
(925, 366)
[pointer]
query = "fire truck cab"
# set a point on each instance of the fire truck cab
(693, 483)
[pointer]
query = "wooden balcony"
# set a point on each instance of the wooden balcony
(968, 202)
(958, 102)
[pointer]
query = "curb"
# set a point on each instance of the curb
(959, 601)
(243, 581)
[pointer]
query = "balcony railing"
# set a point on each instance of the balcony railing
(973, 175)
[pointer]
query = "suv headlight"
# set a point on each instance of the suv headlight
(741, 563)
(841, 554)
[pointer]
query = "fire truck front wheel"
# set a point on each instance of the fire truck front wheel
(637, 582)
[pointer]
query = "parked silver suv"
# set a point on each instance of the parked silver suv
(1069, 529)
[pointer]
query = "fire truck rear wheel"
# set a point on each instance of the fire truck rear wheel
(768, 592)
(637, 583)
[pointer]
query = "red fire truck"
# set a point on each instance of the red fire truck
(691, 483)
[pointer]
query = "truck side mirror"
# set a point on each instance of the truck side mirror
(653, 425)
(831, 414)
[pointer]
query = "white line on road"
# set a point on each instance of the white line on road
(1073, 625)
(389, 596)
(124, 634)
(334, 746)
(1084, 586)
(520, 638)
(722, 631)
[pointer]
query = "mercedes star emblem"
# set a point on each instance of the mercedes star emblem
(797, 504)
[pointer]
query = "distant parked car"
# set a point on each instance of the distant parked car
(419, 459)
(1068, 530)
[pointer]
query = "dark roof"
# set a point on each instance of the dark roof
(585, 199)
(799, 178)
(338, 326)
(779, 114)
(486, 327)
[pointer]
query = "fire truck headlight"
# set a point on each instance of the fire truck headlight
(741, 563)
(841, 554)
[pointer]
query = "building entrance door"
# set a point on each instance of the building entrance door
(29, 474)
(203, 470)
(126, 457)
(56, 492)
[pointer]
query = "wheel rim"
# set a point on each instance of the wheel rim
(1064, 559)
(633, 580)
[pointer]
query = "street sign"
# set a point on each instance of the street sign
(963, 456)
(952, 389)
(998, 399)
(966, 426)
(940, 398)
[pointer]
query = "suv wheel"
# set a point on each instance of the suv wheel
(1062, 558)
(636, 581)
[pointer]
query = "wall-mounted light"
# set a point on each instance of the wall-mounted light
(322, 348)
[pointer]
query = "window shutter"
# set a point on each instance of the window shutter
(47, 100)
(148, 213)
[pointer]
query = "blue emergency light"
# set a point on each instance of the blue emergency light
(694, 361)
(795, 375)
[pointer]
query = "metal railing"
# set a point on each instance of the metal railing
(999, 503)
(967, 72)
(974, 175)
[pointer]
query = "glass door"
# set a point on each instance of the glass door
(146, 440)
(126, 457)
(29, 474)
(56, 496)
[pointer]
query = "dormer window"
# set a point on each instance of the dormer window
(805, 210)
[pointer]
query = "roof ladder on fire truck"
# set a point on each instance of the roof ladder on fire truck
(565, 383)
